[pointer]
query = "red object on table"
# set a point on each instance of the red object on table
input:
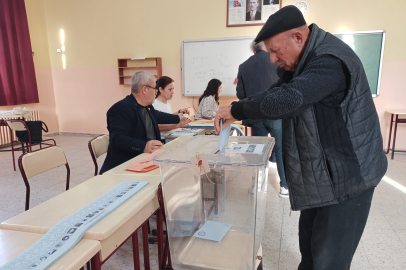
(145, 164)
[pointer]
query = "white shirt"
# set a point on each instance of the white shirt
(252, 13)
(162, 107)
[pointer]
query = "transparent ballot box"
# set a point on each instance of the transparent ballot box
(215, 211)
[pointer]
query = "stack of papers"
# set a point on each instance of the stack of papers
(145, 164)
(178, 134)
(190, 130)
(186, 132)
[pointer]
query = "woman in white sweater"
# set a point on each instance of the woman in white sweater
(209, 101)
(166, 90)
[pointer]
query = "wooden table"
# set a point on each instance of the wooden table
(120, 169)
(395, 113)
(114, 229)
(13, 243)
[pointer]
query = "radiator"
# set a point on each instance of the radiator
(5, 131)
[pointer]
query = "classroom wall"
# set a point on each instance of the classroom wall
(39, 42)
(97, 32)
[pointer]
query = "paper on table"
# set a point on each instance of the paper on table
(145, 164)
(246, 149)
(178, 134)
(203, 121)
(194, 130)
(212, 230)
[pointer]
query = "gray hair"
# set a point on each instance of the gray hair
(256, 47)
(139, 79)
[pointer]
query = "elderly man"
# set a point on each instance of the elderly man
(332, 143)
(133, 123)
(253, 14)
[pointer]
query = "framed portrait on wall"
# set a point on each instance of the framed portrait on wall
(250, 12)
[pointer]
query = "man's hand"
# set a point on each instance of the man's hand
(152, 145)
(184, 121)
(225, 113)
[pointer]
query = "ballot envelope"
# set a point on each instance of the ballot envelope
(215, 201)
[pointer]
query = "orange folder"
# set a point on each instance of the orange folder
(145, 164)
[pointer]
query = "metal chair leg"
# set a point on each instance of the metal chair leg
(136, 251)
(27, 198)
(96, 263)
(145, 246)
(12, 149)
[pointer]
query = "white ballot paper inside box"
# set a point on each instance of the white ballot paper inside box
(223, 136)
(246, 149)
(212, 230)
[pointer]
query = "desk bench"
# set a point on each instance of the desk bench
(112, 231)
(13, 243)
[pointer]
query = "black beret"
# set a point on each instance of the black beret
(287, 18)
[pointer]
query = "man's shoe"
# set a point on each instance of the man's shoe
(284, 193)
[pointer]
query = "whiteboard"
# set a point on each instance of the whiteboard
(205, 59)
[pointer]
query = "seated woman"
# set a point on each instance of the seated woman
(209, 101)
(166, 90)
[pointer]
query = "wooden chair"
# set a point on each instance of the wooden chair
(97, 147)
(19, 125)
(39, 161)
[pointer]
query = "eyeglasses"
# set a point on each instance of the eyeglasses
(156, 90)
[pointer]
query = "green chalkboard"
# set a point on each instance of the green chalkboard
(369, 47)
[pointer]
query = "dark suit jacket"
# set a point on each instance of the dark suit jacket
(127, 132)
(255, 75)
(257, 16)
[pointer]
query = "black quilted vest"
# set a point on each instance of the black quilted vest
(333, 152)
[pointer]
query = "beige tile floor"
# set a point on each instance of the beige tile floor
(383, 245)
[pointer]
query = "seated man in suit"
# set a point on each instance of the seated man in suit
(133, 123)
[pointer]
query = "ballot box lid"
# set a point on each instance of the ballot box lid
(241, 152)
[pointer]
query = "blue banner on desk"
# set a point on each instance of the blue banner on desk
(67, 233)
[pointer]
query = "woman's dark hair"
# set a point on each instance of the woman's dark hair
(163, 82)
(212, 89)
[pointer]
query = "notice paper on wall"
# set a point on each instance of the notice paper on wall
(212, 230)
(246, 149)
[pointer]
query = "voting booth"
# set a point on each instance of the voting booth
(215, 201)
